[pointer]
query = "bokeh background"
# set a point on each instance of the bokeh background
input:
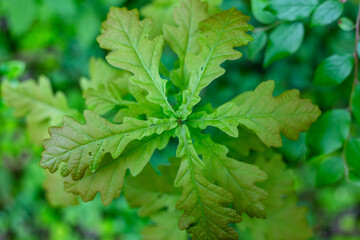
(57, 39)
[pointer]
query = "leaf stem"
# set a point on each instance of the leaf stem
(356, 59)
(267, 28)
(355, 82)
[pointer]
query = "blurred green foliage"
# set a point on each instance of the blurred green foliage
(303, 50)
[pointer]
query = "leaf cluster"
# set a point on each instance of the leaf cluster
(149, 108)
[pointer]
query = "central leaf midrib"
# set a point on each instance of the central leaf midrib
(108, 137)
(192, 173)
(247, 116)
(147, 71)
(206, 64)
(229, 174)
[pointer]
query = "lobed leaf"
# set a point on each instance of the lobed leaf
(108, 179)
(165, 227)
(264, 114)
(38, 103)
(105, 98)
(183, 37)
(241, 146)
(162, 12)
(82, 146)
(140, 107)
(156, 199)
(102, 73)
(54, 190)
(131, 49)
(155, 195)
(285, 219)
(236, 177)
(206, 215)
(217, 39)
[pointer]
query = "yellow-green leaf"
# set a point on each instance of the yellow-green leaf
(131, 49)
(108, 179)
(267, 116)
(206, 215)
(285, 219)
(237, 177)
(55, 193)
(37, 102)
(83, 146)
(183, 37)
(217, 39)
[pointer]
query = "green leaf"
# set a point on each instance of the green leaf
(12, 69)
(294, 151)
(352, 156)
(102, 73)
(280, 181)
(326, 13)
(284, 40)
(83, 146)
(109, 177)
(330, 171)
(20, 15)
(37, 102)
(241, 146)
(140, 107)
(55, 193)
(258, 8)
(237, 177)
(264, 114)
(155, 195)
(166, 227)
(346, 24)
(328, 134)
(105, 98)
(183, 38)
(156, 199)
(219, 35)
(334, 70)
(131, 49)
(355, 104)
(286, 222)
(285, 219)
(206, 215)
(291, 10)
(258, 44)
(162, 11)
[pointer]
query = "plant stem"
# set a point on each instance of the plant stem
(355, 82)
(267, 28)
(356, 59)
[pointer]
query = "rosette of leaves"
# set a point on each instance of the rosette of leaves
(215, 189)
